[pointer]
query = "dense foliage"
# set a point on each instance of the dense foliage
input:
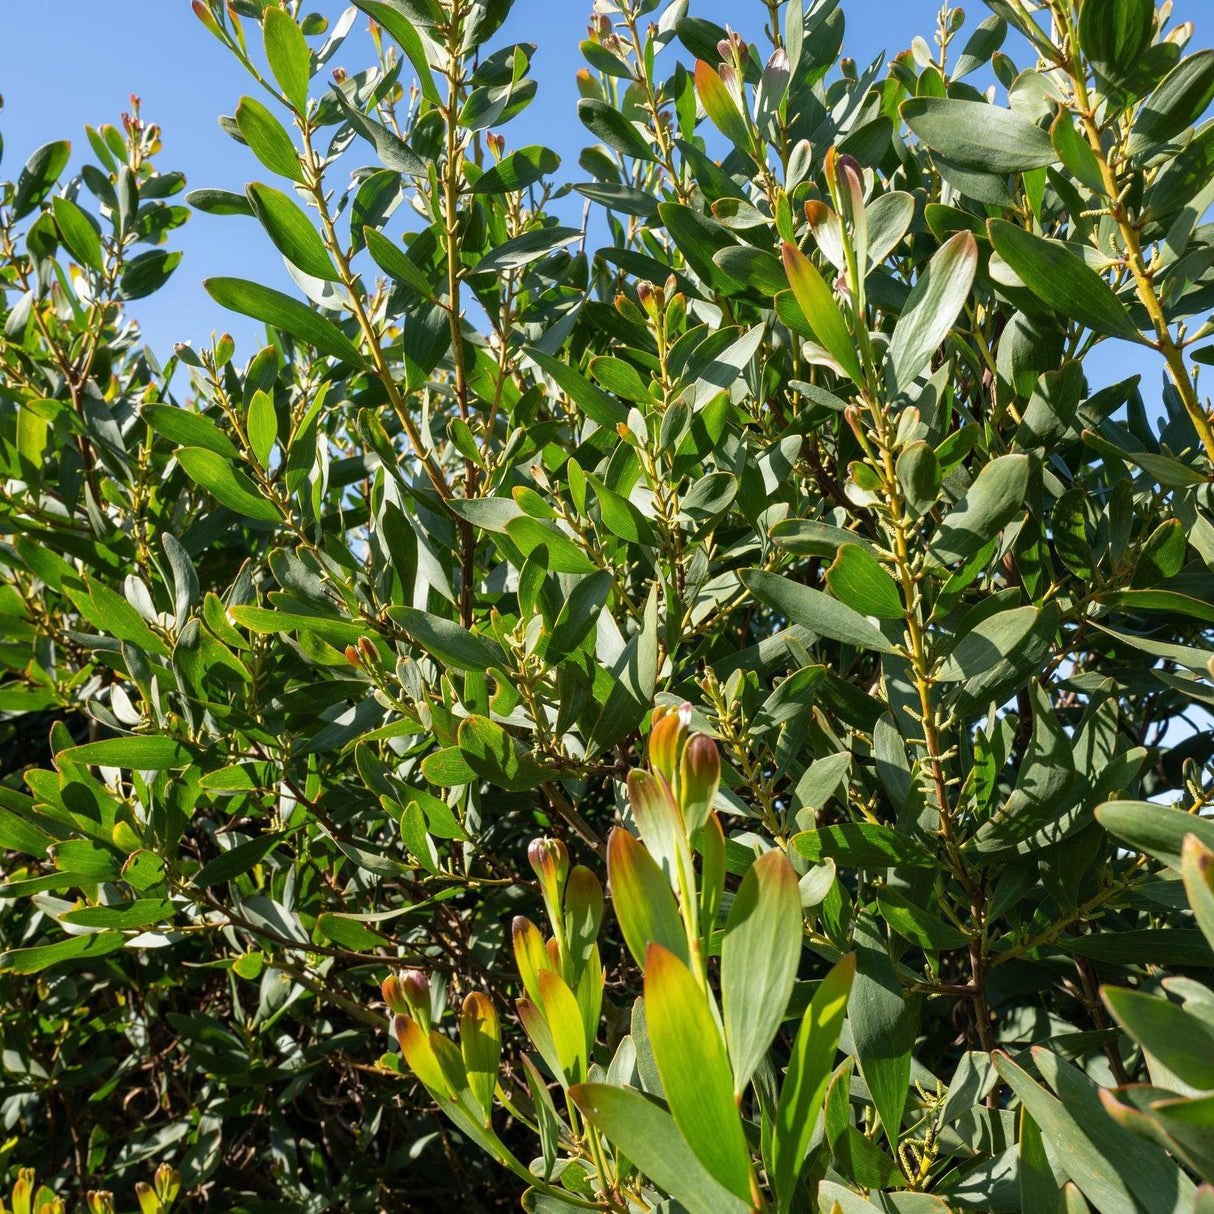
(756, 583)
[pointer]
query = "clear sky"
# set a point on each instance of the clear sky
(71, 62)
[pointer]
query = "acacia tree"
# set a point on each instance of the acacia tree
(785, 561)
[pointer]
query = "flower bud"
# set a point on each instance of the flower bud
(352, 655)
(100, 1201)
(550, 860)
(368, 648)
(408, 993)
(699, 779)
(167, 1183)
(497, 144)
(393, 996)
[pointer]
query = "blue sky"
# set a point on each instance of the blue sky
(71, 62)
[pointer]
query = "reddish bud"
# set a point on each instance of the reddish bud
(408, 993)
(550, 860)
(352, 655)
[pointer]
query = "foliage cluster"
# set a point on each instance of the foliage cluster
(774, 601)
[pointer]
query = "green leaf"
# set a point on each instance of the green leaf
(219, 202)
(147, 273)
(517, 171)
(564, 553)
(392, 150)
(931, 309)
(564, 1022)
(143, 912)
(39, 175)
(858, 579)
(759, 957)
(495, 756)
(991, 502)
(644, 902)
(188, 429)
(137, 754)
(699, 238)
(1155, 1183)
(43, 956)
(1181, 99)
(1114, 34)
(578, 616)
(401, 27)
(986, 39)
(1169, 601)
(450, 643)
(882, 1026)
(480, 1044)
(1038, 1185)
(227, 484)
(720, 107)
(237, 860)
(78, 234)
(290, 228)
(917, 925)
(1076, 153)
(263, 620)
(524, 249)
(1197, 869)
(285, 313)
(1062, 280)
(1183, 1042)
(1168, 946)
(753, 268)
(606, 123)
(619, 377)
(1157, 830)
(809, 1068)
(288, 56)
(990, 640)
(595, 403)
(695, 1070)
(862, 845)
(268, 139)
(262, 426)
(648, 1135)
(919, 475)
(979, 136)
(817, 303)
(393, 261)
(814, 610)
